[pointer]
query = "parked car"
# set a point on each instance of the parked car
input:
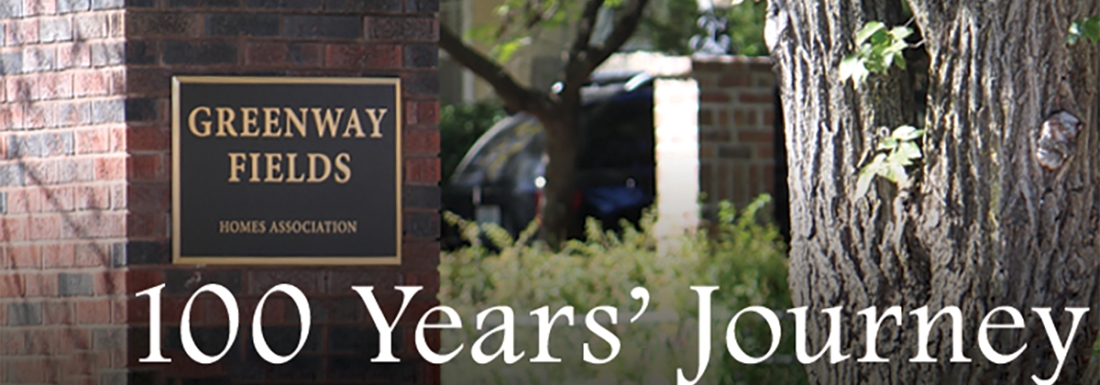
(500, 180)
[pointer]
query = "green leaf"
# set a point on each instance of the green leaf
(877, 166)
(505, 50)
(880, 38)
(877, 50)
(906, 133)
(904, 155)
(900, 33)
(902, 148)
(868, 30)
(896, 173)
(852, 68)
(1092, 28)
(887, 61)
(864, 182)
(866, 50)
(1074, 33)
(484, 33)
(897, 47)
(888, 143)
(1084, 28)
(909, 150)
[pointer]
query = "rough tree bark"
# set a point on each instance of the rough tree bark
(983, 225)
(559, 111)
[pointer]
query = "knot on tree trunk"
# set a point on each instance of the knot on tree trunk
(1057, 140)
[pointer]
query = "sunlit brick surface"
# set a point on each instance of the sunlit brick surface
(85, 188)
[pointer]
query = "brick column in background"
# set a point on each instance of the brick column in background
(734, 111)
(676, 109)
(85, 188)
(62, 192)
(736, 133)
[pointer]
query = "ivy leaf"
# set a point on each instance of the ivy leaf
(896, 173)
(1084, 28)
(887, 61)
(904, 154)
(908, 151)
(888, 143)
(880, 38)
(900, 61)
(852, 68)
(905, 133)
(864, 182)
(1074, 34)
(877, 49)
(895, 152)
(1092, 28)
(896, 48)
(868, 30)
(900, 33)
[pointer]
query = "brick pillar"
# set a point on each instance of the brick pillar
(63, 192)
(85, 188)
(675, 111)
(736, 134)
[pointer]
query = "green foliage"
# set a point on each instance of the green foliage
(669, 25)
(1084, 28)
(746, 259)
(521, 21)
(878, 48)
(459, 127)
(892, 155)
(746, 28)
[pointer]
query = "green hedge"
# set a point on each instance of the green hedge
(745, 258)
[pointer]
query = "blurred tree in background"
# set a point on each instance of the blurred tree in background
(669, 25)
(746, 28)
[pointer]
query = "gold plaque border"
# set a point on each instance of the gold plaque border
(178, 259)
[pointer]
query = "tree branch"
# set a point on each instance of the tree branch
(624, 27)
(515, 96)
(586, 25)
(584, 58)
(576, 66)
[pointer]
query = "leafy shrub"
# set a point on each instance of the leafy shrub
(746, 259)
(460, 125)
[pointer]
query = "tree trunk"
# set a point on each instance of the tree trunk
(561, 149)
(983, 224)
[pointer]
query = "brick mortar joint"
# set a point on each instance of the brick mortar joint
(54, 43)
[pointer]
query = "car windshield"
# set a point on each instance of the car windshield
(511, 148)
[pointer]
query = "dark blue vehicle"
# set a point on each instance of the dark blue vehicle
(501, 177)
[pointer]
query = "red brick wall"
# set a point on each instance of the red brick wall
(84, 188)
(63, 196)
(737, 108)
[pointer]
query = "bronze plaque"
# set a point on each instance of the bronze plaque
(302, 171)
